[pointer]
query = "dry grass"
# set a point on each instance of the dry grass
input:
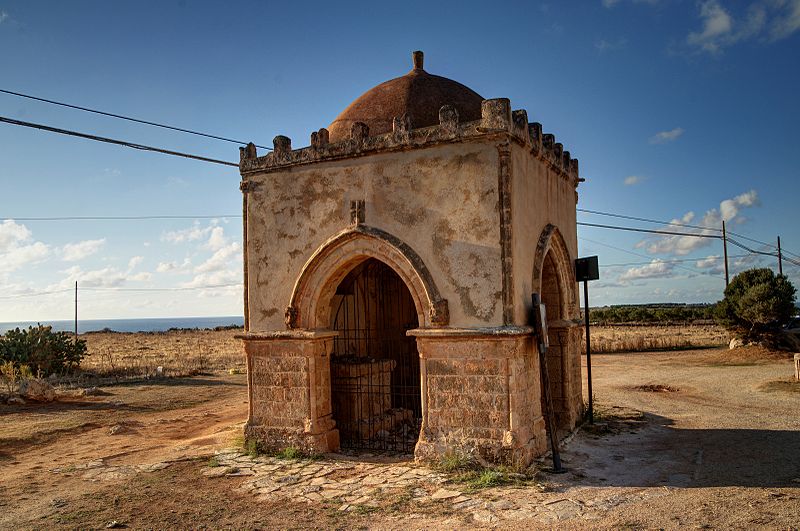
(177, 352)
(639, 338)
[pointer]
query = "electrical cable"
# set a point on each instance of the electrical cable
(652, 231)
(648, 257)
(82, 289)
(113, 141)
(130, 119)
(118, 218)
(648, 220)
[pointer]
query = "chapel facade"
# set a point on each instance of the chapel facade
(388, 273)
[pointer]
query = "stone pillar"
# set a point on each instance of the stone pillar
(480, 394)
(797, 366)
(289, 387)
(564, 366)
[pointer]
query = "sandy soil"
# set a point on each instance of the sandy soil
(681, 439)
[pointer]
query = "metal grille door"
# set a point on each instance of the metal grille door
(375, 378)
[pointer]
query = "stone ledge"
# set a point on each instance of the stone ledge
(287, 334)
(472, 333)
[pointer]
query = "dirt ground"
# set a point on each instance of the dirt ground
(690, 438)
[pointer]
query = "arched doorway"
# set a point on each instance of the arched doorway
(553, 299)
(375, 376)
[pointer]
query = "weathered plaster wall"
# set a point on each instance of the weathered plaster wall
(441, 200)
(540, 196)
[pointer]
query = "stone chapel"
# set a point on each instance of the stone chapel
(388, 272)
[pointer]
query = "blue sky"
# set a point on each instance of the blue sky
(677, 110)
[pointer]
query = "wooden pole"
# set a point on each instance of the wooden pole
(725, 252)
(780, 257)
(76, 311)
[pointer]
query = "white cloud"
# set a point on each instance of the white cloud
(214, 278)
(766, 20)
(73, 252)
(787, 22)
(195, 233)
(23, 255)
(662, 137)
(655, 269)
(712, 262)
(12, 233)
(3, 16)
(709, 225)
(605, 45)
(633, 179)
(729, 208)
(216, 240)
(16, 248)
(108, 277)
(717, 23)
(135, 261)
(144, 276)
(221, 259)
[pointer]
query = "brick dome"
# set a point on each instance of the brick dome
(418, 94)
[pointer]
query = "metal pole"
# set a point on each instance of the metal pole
(780, 257)
(549, 415)
(588, 349)
(76, 311)
(725, 251)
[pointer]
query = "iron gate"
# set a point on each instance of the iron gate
(375, 378)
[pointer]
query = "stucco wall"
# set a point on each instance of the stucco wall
(540, 196)
(440, 200)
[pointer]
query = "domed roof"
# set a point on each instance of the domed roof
(418, 94)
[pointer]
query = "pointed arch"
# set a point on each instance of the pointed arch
(552, 252)
(309, 305)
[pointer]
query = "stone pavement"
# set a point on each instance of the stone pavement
(347, 484)
(363, 486)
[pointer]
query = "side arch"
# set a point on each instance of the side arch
(552, 243)
(309, 305)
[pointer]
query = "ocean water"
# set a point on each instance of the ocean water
(132, 325)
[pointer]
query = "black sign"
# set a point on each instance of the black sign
(586, 269)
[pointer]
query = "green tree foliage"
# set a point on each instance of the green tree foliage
(756, 302)
(650, 314)
(44, 351)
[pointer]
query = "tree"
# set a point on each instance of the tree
(756, 302)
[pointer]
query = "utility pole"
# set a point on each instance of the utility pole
(76, 311)
(780, 257)
(725, 251)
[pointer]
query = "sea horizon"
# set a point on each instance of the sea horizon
(151, 324)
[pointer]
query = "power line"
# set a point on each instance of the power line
(130, 119)
(113, 141)
(752, 251)
(676, 224)
(37, 294)
(764, 243)
(648, 220)
(70, 290)
(119, 218)
(673, 261)
(648, 257)
(652, 231)
(187, 288)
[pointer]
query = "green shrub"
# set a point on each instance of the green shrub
(756, 302)
(44, 351)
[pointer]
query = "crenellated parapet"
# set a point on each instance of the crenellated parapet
(497, 119)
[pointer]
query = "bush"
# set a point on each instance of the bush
(44, 351)
(756, 302)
